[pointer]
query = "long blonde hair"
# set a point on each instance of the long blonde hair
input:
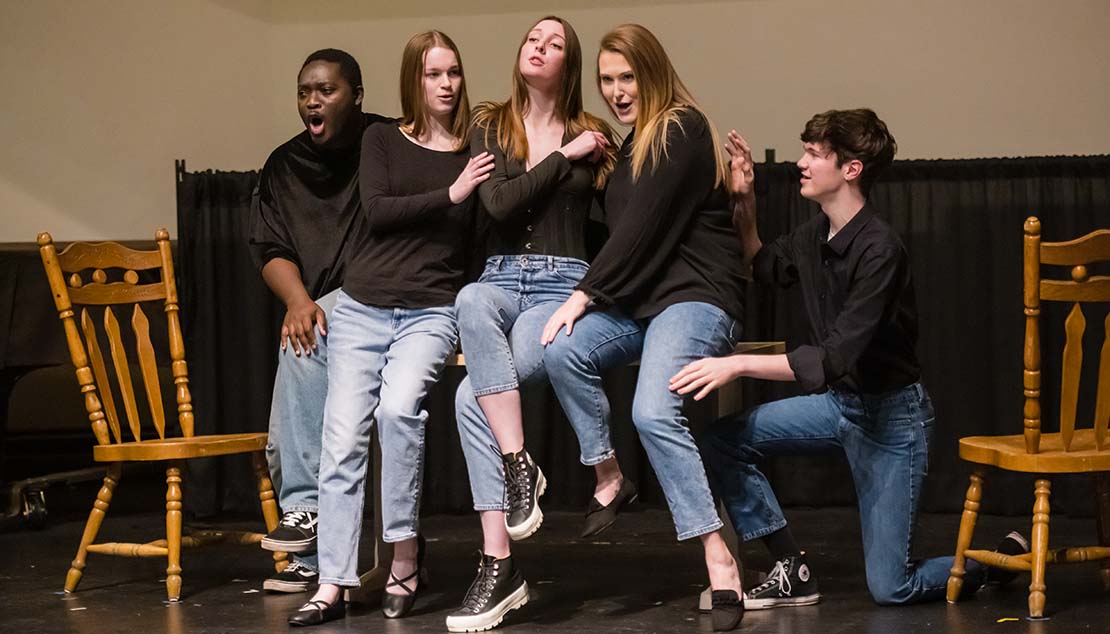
(508, 116)
(414, 110)
(661, 96)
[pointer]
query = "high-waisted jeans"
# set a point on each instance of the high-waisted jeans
(501, 318)
(381, 364)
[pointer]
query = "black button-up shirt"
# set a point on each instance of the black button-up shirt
(858, 295)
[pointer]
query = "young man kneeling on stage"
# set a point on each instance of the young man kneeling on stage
(866, 400)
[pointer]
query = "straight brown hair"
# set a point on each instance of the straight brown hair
(414, 111)
(508, 116)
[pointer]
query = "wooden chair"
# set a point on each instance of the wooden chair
(1070, 450)
(112, 445)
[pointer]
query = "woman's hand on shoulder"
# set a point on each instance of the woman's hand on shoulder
(589, 145)
(477, 170)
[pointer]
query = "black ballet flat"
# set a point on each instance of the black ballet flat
(728, 610)
(322, 612)
(396, 606)
(600, 517)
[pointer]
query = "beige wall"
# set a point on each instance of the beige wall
(108, 93)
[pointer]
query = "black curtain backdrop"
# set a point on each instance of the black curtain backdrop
(960, 219)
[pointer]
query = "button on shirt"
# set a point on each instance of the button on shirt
(858, 295)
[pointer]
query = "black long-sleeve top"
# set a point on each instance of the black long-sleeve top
(412, 250)
(540, 211)
(858, 295)
(306, 209)
(670, 233)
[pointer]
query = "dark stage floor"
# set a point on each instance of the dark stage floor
(635, 580)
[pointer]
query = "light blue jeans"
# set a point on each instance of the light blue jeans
(886, 440)
(297, 422)
(501, 318)
(682, 333)
(382, 362)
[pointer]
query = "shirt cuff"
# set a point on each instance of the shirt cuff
(808, 364)
(596, 296)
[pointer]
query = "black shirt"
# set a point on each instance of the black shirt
(858, 295)
(670, 233)
(540, 211)
(412, 250)
(306, 209)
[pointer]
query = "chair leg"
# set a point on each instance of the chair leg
(173, 532)
(1040, 548)
(963, 541)
(269, 506)
(92, 526)
(1102, 495)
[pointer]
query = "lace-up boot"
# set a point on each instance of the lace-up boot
(496, 590)
(524, 484)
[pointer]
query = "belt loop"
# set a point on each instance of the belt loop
(550, 263)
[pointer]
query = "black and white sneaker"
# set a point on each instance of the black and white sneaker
(1014, 543)
(790, 583)
(296, 533)
(297, 577)
(524, 484)
(496, 591)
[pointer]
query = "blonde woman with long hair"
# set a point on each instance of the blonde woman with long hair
(672, 269)
(550, 157)
(393, 325)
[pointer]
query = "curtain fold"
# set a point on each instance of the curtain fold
(961, 221)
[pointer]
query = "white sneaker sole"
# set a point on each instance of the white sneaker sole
(276, 585)
(493, 618)
(781, 602)
(288, 547)
(529, 527)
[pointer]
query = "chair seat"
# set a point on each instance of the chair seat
(1008, 452)
(180, 448)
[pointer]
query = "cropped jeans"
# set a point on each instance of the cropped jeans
(501, 318)
(382, 363)
(680, 334)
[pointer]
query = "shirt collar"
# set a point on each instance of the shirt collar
(843, 238)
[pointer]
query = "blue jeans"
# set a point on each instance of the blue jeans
(682, 333)
(297, 422)
(382, 363)
(886, 440)
(501, 318)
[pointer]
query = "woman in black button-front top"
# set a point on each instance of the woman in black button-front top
(671, 267)
(550, 158)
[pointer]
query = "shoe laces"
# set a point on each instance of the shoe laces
(479, 592)
(777, 576)
(297, 519)
(518, 483)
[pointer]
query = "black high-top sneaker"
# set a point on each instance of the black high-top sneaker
(496, 590)
(295, 533)
(524, 484)
(1014, 543)
(789, 583)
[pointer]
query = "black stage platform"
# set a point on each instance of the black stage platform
(636, 579)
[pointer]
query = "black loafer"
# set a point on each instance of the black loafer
(600, 517)
(321, 612)
(728, 610)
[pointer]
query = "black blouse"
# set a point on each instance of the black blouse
(670, 233)
(541, 211)
(412, 250)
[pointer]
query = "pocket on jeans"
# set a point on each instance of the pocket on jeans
(570, 273)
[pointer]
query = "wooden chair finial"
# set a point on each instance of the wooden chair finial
(45, 239)
(1032, 226)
